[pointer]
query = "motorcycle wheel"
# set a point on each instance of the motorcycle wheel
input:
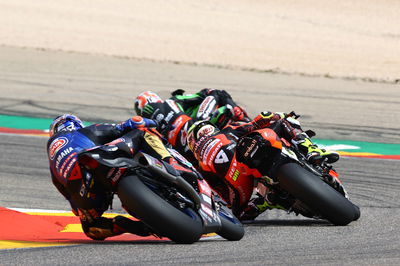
(357, 212)
(165, 219)
(316, 194)
(231, 228)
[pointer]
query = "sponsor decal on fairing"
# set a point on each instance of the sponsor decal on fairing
(158, 164)
(206, 199)
(118, 175)
(204, 188)
(209, 214)
(179, 157)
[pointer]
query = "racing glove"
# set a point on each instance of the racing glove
(238, 114)
(265, 119)
(136, 122)
(221, 117)
(226, 114)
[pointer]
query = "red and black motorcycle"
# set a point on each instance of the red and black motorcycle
(312, 190)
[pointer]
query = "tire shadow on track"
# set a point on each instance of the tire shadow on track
(282, 222)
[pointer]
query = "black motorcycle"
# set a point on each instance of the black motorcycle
(179, 206)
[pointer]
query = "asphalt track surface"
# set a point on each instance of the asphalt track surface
(44, 84)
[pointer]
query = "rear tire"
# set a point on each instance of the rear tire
(316, 194)
(158, 214)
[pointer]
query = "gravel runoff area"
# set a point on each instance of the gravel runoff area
(352, 39)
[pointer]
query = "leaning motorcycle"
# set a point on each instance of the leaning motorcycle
(312, 190)
(155, 193)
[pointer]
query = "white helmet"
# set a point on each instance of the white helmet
(198, 130)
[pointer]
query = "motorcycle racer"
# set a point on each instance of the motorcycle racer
(173, 123)
(88, 200)
(152, 106)
(176, 114)
(214, 105)
(230, 162)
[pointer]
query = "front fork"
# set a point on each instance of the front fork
(208, 209)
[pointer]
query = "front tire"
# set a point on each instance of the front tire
(158, 214)
(357, 212)
(231, 228)
(316, 194)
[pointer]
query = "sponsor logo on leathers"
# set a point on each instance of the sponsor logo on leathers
(56, 145)
(206, 107)
(159, 117)
(169, 116)
(173, 105)
(115, 174)
(62, 155)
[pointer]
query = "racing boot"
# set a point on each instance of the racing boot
(257, 206)
(125, 225)
(312, 152)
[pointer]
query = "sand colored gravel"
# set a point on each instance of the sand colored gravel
(357, 38)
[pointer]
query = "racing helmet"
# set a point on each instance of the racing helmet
(143, 99)
(199, 129)
(65, 122)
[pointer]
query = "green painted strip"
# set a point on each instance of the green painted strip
(372, 147)
(22, 122)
